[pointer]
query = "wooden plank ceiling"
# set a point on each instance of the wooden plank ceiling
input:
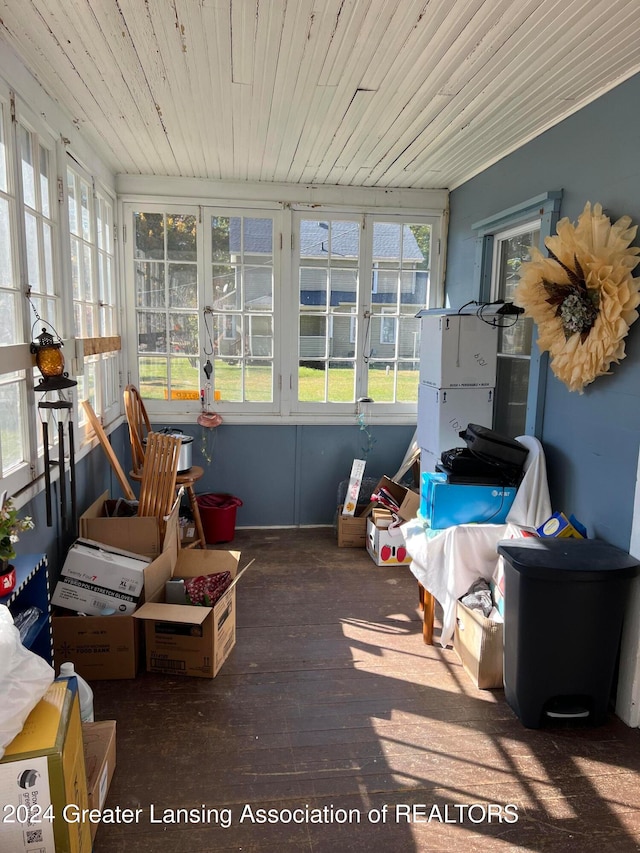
(384, 93)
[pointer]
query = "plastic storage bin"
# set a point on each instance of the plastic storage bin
(218, 515)
(564, 607)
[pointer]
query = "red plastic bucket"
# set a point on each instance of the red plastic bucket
(218, 514)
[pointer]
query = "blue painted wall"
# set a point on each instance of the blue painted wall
(285, 475)
(591, 440)
(289, 475)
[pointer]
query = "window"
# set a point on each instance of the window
(241, 309)
(222, 303)
(28, 235)
(94, 298)
(510, 249)
(357, 340)
(504, 241)
(167, 304)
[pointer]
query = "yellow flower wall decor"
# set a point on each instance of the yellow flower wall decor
(583, 297)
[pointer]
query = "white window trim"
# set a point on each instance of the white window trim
(546, 207)
(281, 202)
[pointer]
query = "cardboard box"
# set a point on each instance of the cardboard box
(43, 770)
(184, 639)
(457, 350)
(99, 746)
(479, 643)
(445, 504)
(408, 501)
(444, 412)
(109, 647)
(100, 647)
(97, 579)
(558, 526)
(385, 544)
(138, 534)
(352, 529)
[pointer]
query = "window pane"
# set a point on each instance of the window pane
(226, 288)
(85, 212)
(87, 274)
(33, 266)
(240, 323)
(11, 424)
(313, 286)
(181, 237)
(228, 376)
(44, 182)
(72, 203)
(510, 410)
(341, 382)
(152, 332)
(149, 242)
(185, 376)
(8, 319)
(154, 379)
(75, 268)
(259, 382)
(312, 381)
(47, 259)
(150, 289)
(258, 288)
(258, 240)
(183, 285)
(28, 180)
(183, 336)
(220, 239)
(381, 383)
(6, 255)
(4, 183)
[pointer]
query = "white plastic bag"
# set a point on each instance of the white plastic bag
(24, 679)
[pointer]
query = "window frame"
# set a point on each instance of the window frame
(544, 208)
(250, 202)
(107, 366)
(368, 277)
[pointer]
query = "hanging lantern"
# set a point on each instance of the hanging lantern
(50, 363)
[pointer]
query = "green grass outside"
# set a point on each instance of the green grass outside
(258, 383)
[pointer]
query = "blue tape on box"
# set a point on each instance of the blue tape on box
(444, 504)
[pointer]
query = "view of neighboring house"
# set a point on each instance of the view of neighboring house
(329, 275)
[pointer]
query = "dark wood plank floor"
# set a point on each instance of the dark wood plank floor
(332, 704)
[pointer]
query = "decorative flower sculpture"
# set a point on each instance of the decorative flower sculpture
(583, 297)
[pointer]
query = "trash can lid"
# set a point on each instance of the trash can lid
(578, 559)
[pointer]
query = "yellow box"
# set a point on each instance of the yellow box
(43, 771)
(558, 526)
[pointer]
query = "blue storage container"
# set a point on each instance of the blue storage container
(444, 504)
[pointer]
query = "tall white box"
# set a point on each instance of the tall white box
(457, 350)
(444, 412)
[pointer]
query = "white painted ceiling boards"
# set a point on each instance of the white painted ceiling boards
(382, 93)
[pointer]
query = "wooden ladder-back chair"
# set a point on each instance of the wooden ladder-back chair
(158, 484)
(139, 430)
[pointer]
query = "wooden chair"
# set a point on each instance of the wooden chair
(139, 430)
(158, 483)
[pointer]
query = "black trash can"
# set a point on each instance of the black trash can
(564, 607)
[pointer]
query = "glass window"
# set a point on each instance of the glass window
(224, 307)
(511, 249)
(504, 242)
(94, 300)
(167, 304)
(356, 341)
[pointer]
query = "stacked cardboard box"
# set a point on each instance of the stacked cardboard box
(180, 639)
